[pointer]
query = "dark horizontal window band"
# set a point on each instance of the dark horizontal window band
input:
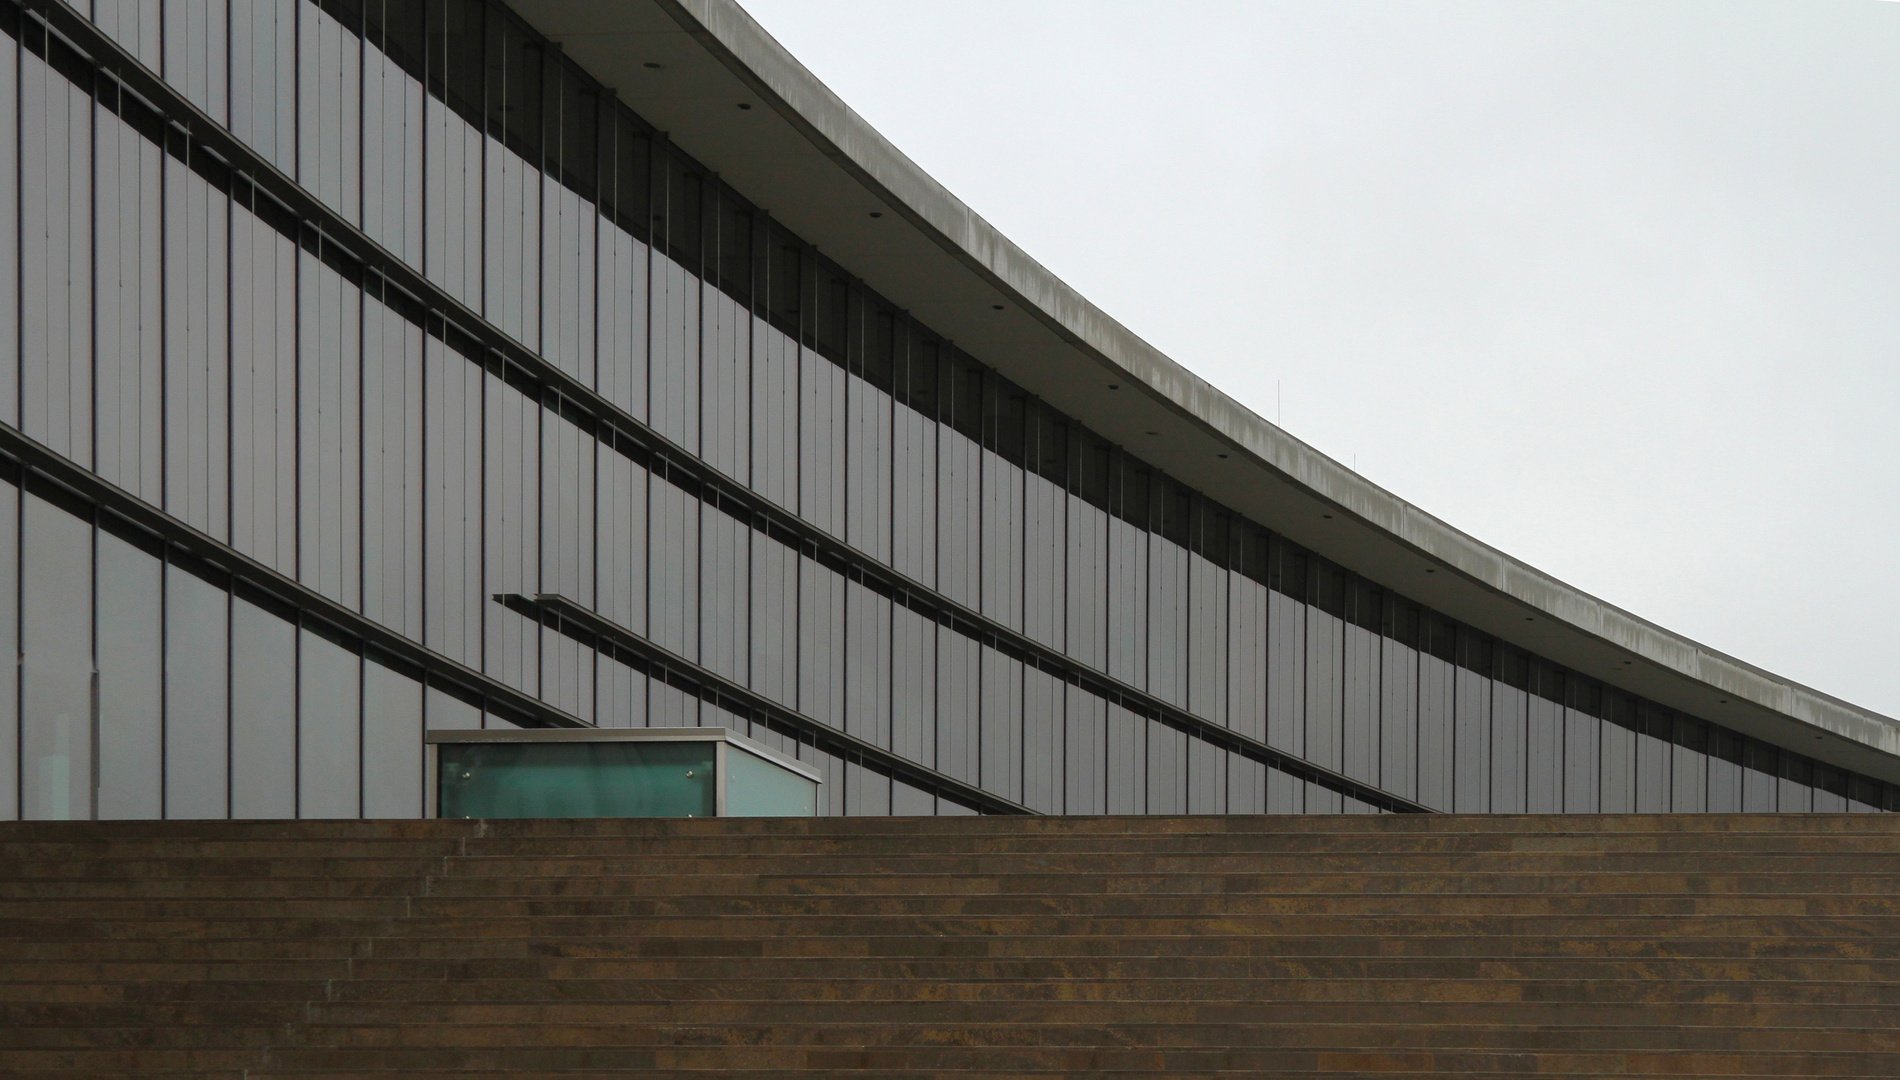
(253, 581)
(988, 632)
(564, 616)
(633, 438)
(576, 621)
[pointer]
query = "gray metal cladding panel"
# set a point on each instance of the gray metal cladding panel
(55, 612)
(197, 726)
(1085, 746)
(264, 704)
(1583, 752)
(1044, 747)
(1325, 690)
(1509, 708)
(868, 463)
(1208, 640)
(1436, 705)
(1128, 603)
(329, 729)
(1085, 591)
(1474, 743)
(1544, 779)
(1127, 762)
(1360, 734)
(867, 647)
(1398, 718)
(129, 633)
(914, 495)
(129, 295)
(1000, 731)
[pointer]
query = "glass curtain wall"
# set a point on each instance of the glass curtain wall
(720, 445)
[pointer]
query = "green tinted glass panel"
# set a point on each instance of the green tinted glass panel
(756, 787)
(577, 779)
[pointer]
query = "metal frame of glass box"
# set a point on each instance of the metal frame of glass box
(726, 742)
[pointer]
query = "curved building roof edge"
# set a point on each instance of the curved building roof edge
(1622, 648)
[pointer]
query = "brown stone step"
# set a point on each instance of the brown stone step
(1201, 947)
(429, 914)
(1214, 846)
(210, 908)
(190, 973)
(80, 890)
(255, 929)
(133, 1061)
(1662, 903)
(520, 855)
(29, 963)
(197, 950)
(1037, 934)
(171, 1025)
(1415, 986)
(1527, 1029)
(917, 882)
(137, 869)
(1207, 969)
(1335, 1069)
(313, 843)
(979, 958)
(624, 866)
(785, 832)
(163, 985)
(582, 1001)
(963, 1058)
(1156, 890)
(824, 1017)
(1394, 828)
(1105, 927)
(29, 878)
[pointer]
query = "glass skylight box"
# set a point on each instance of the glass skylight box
(618, 772)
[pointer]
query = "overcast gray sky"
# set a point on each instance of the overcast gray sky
(1612, 286)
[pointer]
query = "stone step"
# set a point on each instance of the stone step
(966, 1058)
(1765, 1029)
(1469, 1010)
(187, 868)
(364, 873)
(446, 897)
(1381, 1066)
(1404, 986)
(1685, 919)
(310, 843)
(164, 980)
(1530, 1031)
(783, 834)
(631, 864)
(1461, 824)
(40, 957)
(422, 914)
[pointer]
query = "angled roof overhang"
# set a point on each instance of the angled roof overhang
(815, 165)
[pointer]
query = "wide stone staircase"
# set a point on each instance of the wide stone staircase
(1707, 946)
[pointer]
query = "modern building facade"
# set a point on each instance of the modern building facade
(376, 366)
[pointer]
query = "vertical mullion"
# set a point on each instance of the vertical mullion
(707, 195)
(656, 463)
